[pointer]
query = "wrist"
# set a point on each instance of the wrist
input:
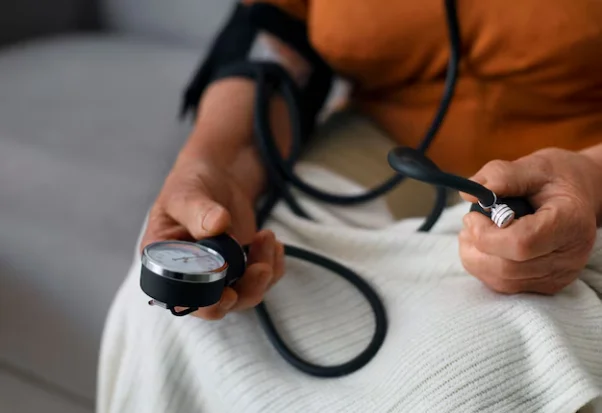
(239, 162)
(222, 135)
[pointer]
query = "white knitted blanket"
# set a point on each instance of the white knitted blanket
(452, 345)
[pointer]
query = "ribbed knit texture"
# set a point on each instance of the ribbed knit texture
(452, 345)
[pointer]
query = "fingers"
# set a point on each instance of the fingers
(219, 310)
(468, 198)
(202, 216)
(279, 264)
(253, 285)
(262, 248)
(542, 252)
(265, 268)
(526, 238)
(161, 227)
(267, 265)
(259, 275)
(522, 177)
(261, 254)
(251, 288)
(510, 277)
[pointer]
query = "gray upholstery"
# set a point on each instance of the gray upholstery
(188, 21)
(88, 128)
(23, 19)
(89, 97)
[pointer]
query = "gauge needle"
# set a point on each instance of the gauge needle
(185, 258)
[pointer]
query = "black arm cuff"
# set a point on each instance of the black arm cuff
(232, 46)
(287, 28)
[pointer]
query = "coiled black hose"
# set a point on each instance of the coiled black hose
(272, 79)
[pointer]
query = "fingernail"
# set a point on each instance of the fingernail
(266, 279)
(211, 218)
(266, 246)
(467, 220)
(227, 304)
(480, 179)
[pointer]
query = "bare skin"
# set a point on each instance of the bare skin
(216, 180)
(217, 177)
(544, 252)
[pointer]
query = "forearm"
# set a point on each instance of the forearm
(223, 132)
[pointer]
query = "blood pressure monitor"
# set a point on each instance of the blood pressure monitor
(183, 276)
(190, 274)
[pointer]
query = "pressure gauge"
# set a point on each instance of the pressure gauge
(190, 274)
(185, 261)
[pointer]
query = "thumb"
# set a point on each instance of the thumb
(510, 178)
(199, 214)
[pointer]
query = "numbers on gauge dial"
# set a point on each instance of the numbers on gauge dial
(185, 257)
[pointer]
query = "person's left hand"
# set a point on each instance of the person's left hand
(539, 253)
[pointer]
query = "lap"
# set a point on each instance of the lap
(452, 344)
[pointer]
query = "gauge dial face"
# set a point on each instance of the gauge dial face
(185, 257)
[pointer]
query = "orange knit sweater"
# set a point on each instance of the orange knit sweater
(531, 75)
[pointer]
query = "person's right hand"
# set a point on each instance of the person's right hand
(199, 200)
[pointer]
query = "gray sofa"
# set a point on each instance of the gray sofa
(89, 98)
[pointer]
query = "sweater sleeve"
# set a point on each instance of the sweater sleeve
(296, 8)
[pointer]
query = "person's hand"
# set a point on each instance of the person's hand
(200, 199)
(539, 253)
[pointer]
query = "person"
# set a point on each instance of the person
(481, 319)
(525, 122)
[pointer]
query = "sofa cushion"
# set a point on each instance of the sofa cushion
(190, 21)
(88, 129)
(22, 19)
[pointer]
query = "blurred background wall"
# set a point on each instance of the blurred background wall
(89, 100)
(26, 19)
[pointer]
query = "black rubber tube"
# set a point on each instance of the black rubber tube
(272, 79)
(380, 317)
